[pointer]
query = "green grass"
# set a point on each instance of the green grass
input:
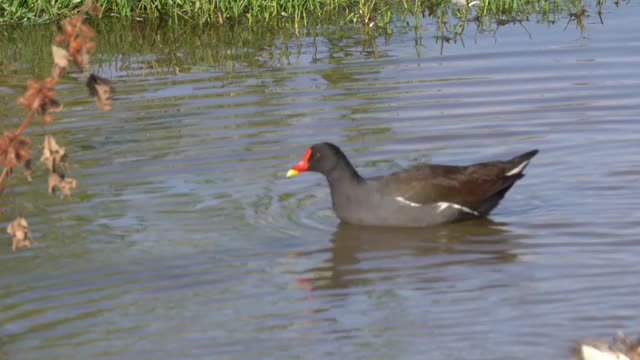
(179, 43)
(290, 13)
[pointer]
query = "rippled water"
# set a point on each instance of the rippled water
(185, 241)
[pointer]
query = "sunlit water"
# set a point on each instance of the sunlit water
(185, 241)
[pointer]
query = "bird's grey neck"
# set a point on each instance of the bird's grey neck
(343, 173)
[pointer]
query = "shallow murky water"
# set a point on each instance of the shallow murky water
(184, 239)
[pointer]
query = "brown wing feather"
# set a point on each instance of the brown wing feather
(464, 185)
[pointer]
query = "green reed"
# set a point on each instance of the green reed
(289, 13)
(263, 24)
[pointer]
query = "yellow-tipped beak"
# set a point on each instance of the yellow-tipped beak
(292, 172)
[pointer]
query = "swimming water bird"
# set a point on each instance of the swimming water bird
(420, 196)
(622, 348)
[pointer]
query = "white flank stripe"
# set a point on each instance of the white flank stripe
(443, 205)
(407, 202)
(518, 169)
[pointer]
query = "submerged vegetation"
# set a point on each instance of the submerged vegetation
(292, 13)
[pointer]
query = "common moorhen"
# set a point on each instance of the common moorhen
(423, 195)
(620, 348)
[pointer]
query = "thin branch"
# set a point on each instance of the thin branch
(5, 171)
(24, 124)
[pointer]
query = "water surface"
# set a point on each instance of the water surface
(184, 239)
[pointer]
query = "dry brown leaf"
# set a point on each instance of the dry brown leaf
(14, 149)
(86, 6)
(87, 32)
(101, 89)
(40, 97)
(95, 10)
(65, 184)
(60, 56)
(79, 37)
(19, 229)
(91, 8)
(60, 61)
(53, 155)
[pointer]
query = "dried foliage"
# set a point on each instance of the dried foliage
(39, 98)
(60, 56)
(79, 38)
(60, 61)
(100, 88)
(91, 8)
(65, 184)
(55, 158)
(53, 155)
(19, 230)
(14, 149)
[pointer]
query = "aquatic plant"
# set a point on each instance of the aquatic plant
(273, 22)
(371, 14)
(40, 99)
(185, 44)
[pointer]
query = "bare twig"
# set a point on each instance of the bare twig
(25, 122)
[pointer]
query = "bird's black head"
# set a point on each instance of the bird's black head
(322, 158)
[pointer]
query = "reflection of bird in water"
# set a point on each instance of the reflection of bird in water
(621, 349)
(362, 255)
